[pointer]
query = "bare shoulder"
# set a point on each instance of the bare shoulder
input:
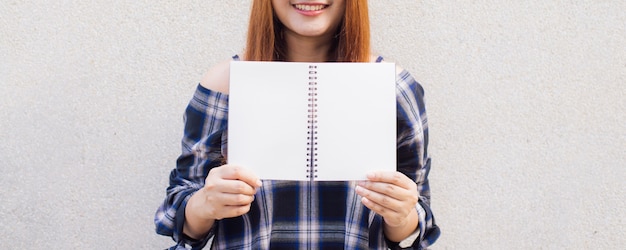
(217, 78)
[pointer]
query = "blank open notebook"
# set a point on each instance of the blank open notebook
(312, 121)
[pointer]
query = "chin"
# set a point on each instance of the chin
(313, 31)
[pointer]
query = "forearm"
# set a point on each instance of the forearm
(196, 226)
(397, 234)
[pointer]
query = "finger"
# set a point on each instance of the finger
(377, 208)
(388, 189)
(391, 217)
(240, 173)
(378, 202)
(236, 199)
(236, 187)
(234, 211)
(393, 177)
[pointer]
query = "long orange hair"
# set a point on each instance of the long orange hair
(265, 42)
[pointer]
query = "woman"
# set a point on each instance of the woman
(210, 199)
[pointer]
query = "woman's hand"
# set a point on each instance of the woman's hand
(228, 192)
(394, 196)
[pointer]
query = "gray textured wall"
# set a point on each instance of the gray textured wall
(526, 106)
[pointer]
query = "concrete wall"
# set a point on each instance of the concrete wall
(526, 103)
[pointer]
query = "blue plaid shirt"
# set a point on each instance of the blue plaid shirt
(290, 214)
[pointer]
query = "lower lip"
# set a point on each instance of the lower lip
(309, 12)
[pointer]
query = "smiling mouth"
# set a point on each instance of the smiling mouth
(307, 7)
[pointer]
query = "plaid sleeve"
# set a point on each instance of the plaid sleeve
(205, 123)
(412, 153)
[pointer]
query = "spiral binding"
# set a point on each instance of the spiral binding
(312, 125)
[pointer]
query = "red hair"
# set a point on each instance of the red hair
(265, 42)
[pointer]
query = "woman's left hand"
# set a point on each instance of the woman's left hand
(391, 194)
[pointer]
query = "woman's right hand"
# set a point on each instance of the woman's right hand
(228, 192)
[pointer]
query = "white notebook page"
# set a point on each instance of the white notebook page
(356, 120)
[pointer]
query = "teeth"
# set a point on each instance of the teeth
(309, 7)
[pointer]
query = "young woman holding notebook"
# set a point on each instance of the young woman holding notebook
(208, 198)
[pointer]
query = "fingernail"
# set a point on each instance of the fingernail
(259, 183)
(364, 200)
